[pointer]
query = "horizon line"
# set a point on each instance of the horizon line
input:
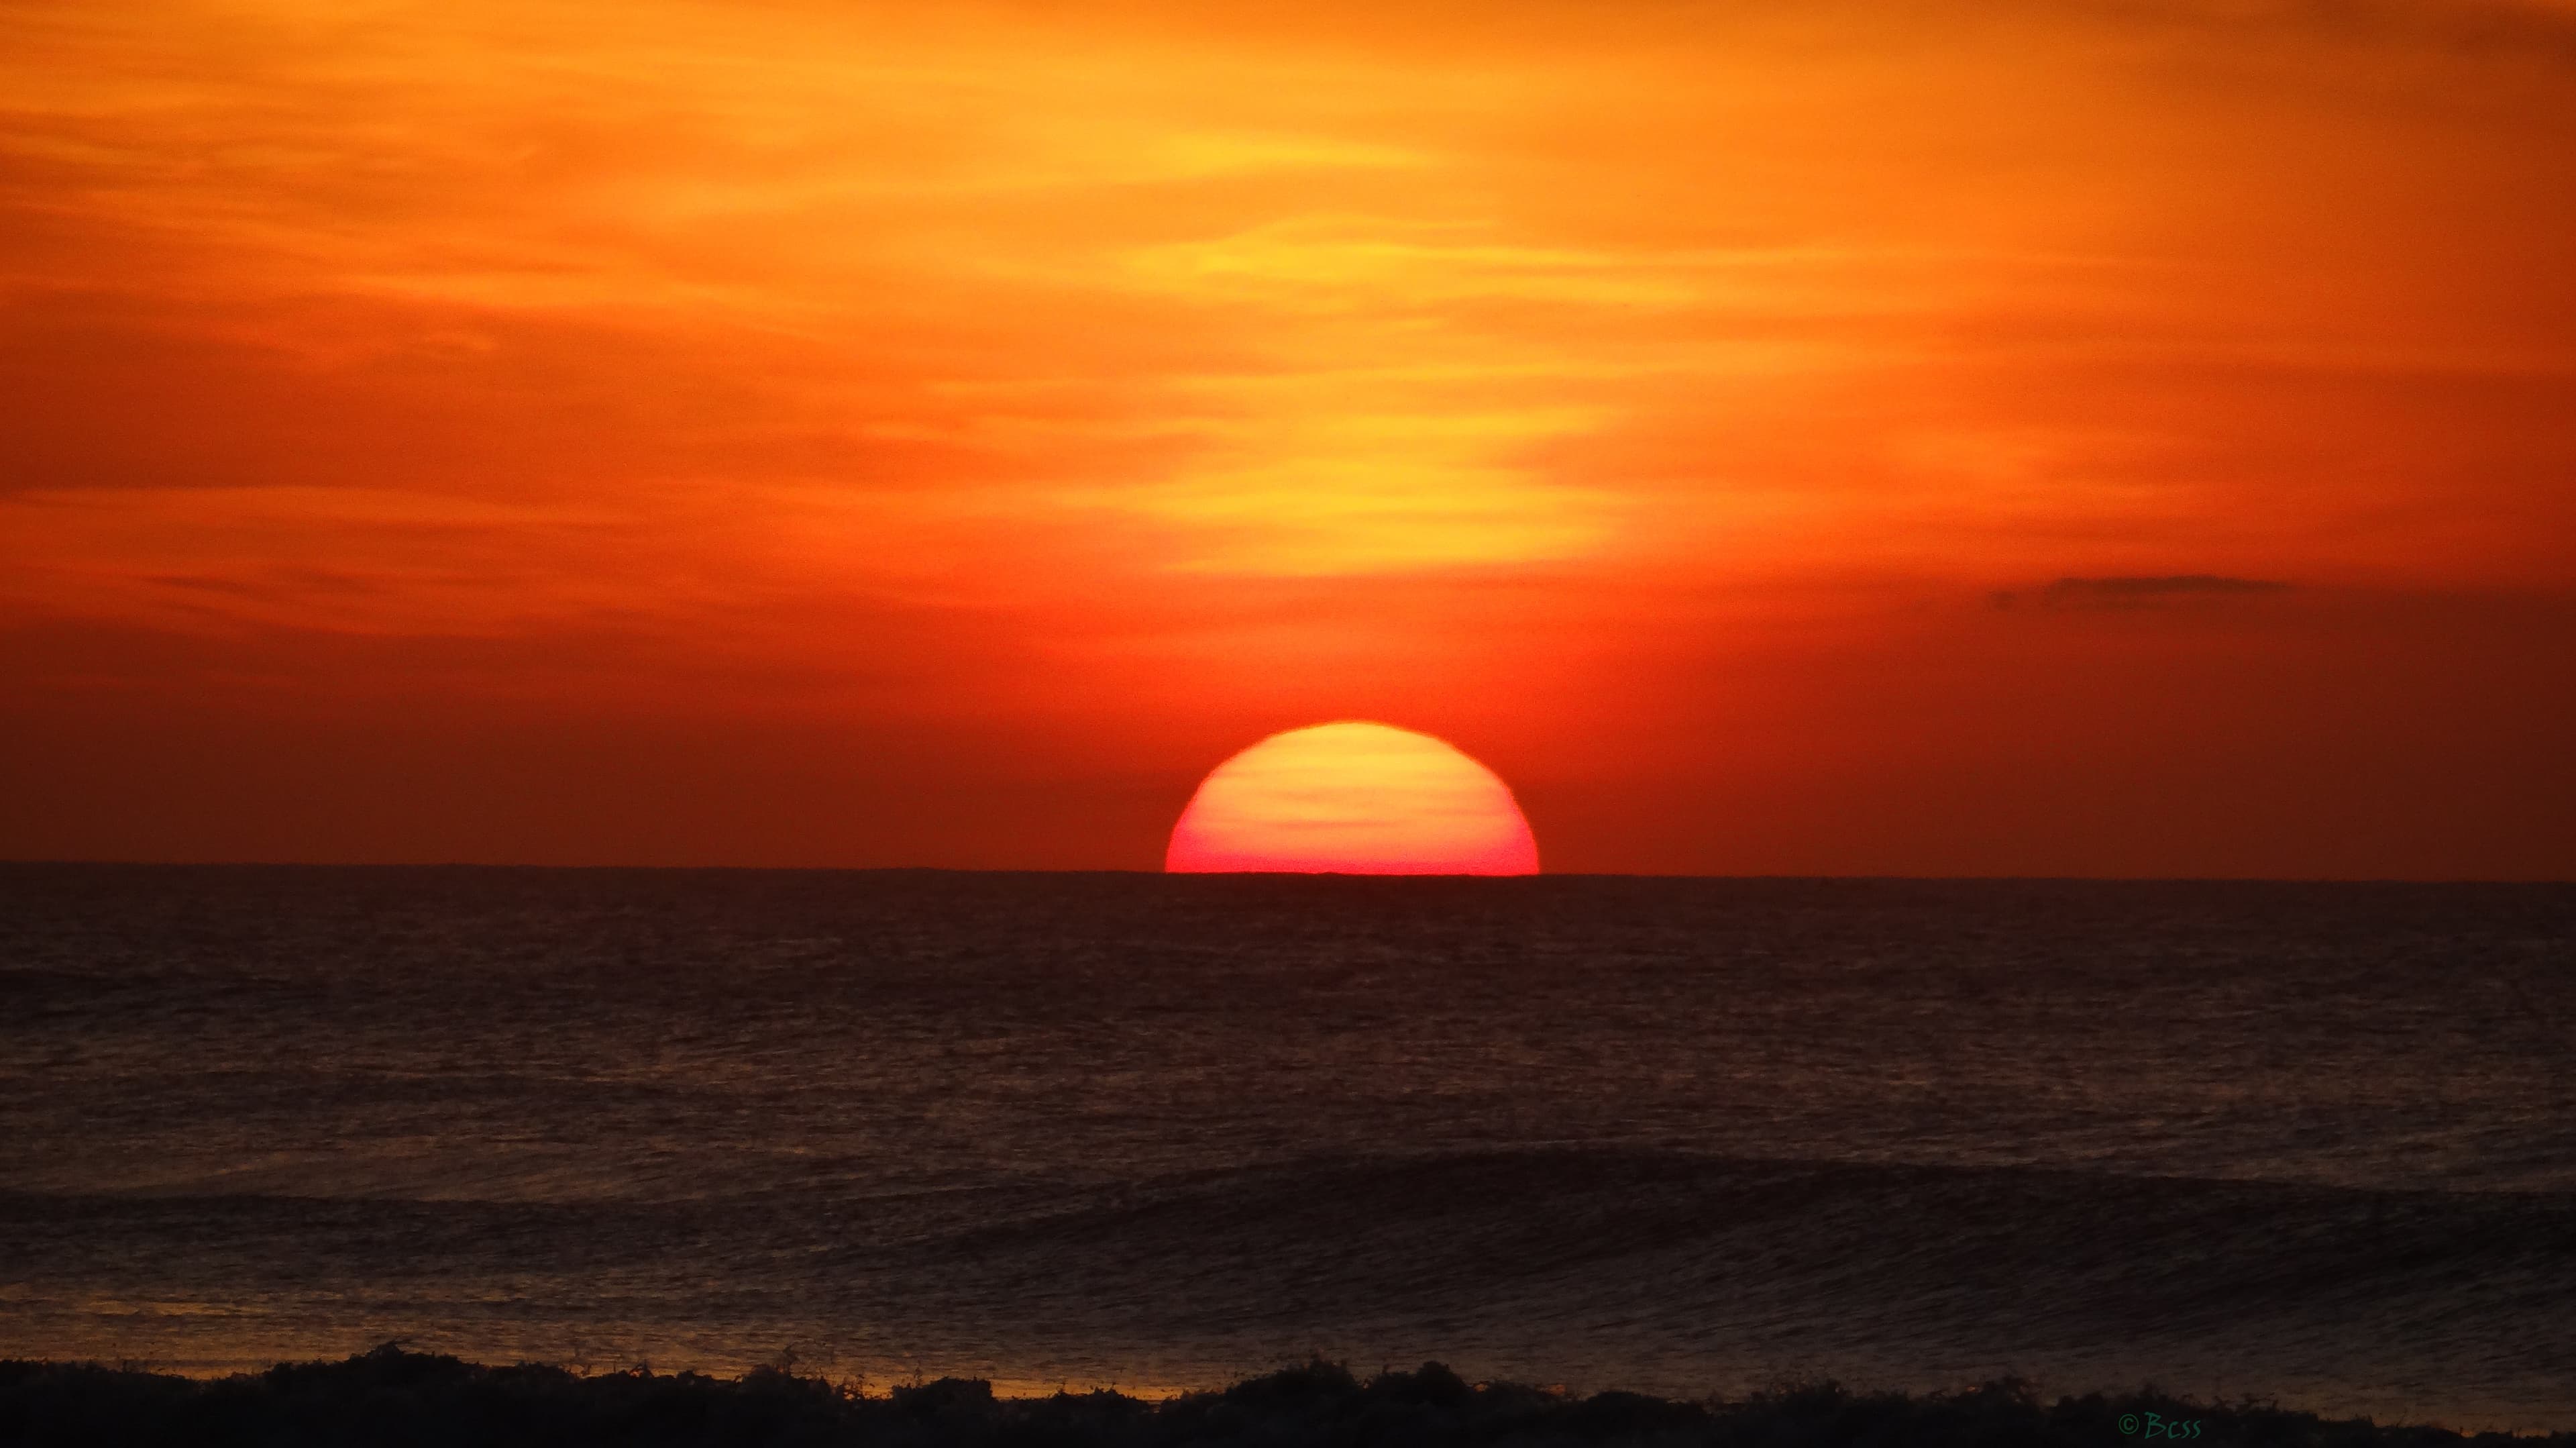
(15, 863)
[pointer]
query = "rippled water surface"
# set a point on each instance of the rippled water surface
(2310, 1141)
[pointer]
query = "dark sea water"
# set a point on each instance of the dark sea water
(2312, 1142)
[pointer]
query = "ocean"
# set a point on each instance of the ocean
(2307, 1142)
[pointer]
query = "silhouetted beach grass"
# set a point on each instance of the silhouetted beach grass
(390, 1398)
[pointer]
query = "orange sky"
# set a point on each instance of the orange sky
(801, 433)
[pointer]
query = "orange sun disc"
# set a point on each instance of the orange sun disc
(1353, 798)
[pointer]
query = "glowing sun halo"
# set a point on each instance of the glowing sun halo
(1353, 798)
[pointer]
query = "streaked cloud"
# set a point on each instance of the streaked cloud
(2142, 592)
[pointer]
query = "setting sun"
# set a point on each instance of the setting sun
(1353, 798)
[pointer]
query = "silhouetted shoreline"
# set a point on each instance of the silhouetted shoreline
(392, 1397)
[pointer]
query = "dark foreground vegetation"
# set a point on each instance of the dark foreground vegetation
(394, 1399)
